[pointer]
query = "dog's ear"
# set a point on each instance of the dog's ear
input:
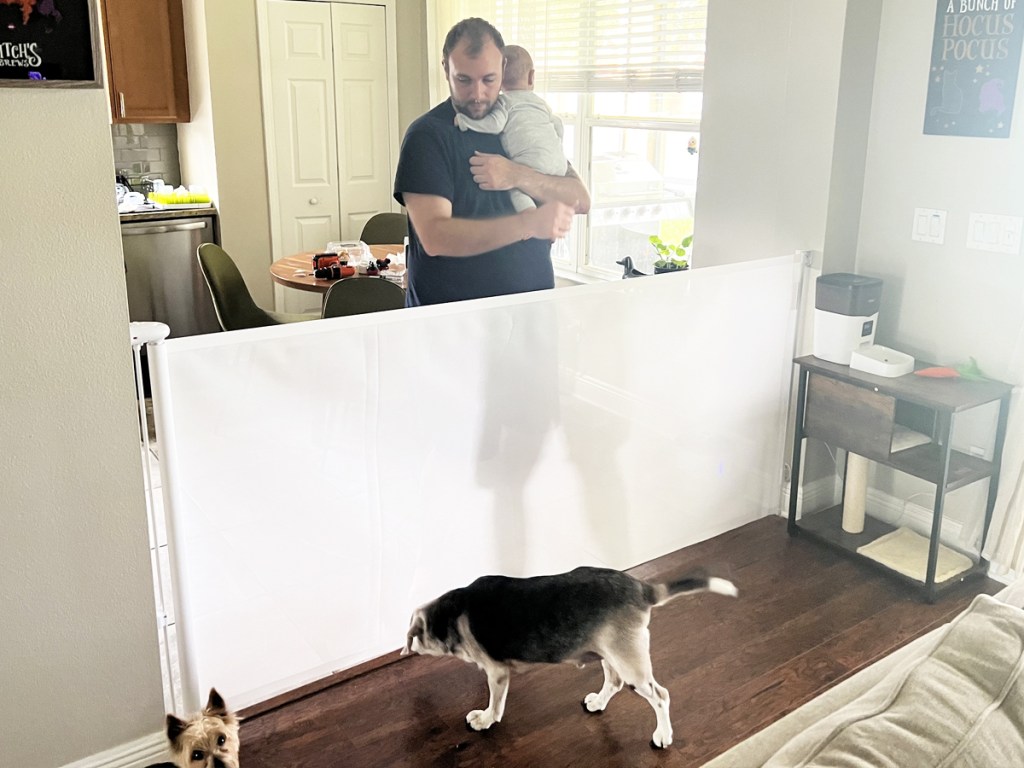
(175, 727)
(416, 629)
(215, 704)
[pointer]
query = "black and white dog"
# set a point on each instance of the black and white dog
(583, 615)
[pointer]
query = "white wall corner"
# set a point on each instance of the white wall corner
(135, 754)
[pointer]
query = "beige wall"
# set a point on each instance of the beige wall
(853, 116)
(768, 128)
(196, 150)
(224, 147)
(940, 302)
(812, 139)
(79, 670)
(412, 62)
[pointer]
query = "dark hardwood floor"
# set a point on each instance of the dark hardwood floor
(806, 618)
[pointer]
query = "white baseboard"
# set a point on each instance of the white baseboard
(135, 754)
(820, 494)
(893, 510)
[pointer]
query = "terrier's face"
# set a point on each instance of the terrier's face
(206, 740)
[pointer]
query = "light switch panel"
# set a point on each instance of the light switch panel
(929, 226)
(991, 232)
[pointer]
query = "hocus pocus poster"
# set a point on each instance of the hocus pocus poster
(975, 63)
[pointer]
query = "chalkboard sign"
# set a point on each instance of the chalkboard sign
(49, 43)
(975, 61)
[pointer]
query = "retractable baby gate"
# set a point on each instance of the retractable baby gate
(322, 479)
(143, 333)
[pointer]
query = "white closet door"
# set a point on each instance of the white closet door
(364, 134)
(305, 123)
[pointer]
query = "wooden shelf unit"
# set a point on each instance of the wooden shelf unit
(862, 413)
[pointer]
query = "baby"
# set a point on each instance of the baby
(530, 133)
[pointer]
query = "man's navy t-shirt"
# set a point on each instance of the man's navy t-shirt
(435, 161)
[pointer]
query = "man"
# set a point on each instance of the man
(465, 238)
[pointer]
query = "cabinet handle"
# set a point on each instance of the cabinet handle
(313, 201)
(120, 96)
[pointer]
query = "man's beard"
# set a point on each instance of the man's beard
(473, 108)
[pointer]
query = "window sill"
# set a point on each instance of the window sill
(565, 278)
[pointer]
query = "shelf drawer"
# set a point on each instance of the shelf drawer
(856, 418)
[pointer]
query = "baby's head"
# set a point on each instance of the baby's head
(518, 75)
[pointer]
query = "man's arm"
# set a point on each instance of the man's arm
(495, 172)
(442, 235)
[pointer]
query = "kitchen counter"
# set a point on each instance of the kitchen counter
(167, 213)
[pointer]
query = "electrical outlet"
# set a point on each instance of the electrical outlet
(990, 232)
(977, 450)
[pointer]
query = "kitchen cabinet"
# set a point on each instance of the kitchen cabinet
(872, 416)
(146, 67)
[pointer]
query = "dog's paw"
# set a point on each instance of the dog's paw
(661, 739)
(480, 719)
(593, 702)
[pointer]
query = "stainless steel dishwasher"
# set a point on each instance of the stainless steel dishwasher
(162, 272)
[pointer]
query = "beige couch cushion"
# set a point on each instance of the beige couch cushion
(961, 704)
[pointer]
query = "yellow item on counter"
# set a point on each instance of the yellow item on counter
(179, 196)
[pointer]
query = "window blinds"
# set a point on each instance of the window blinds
(603, 45)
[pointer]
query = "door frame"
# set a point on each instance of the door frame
(266, 94)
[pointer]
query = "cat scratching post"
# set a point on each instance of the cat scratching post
(855, 493)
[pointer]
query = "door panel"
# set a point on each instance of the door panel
(318, 230)
(361, 88)
(305, 126)
(310, 144)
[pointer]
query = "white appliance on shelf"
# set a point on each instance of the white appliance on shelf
(845, 315)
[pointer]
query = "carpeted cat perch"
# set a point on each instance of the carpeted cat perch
(906, 552)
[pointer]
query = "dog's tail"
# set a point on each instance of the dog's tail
(687, 585)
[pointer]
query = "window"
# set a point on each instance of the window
(626, 77)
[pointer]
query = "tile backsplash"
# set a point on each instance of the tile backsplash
(147, 150)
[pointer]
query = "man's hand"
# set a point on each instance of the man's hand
(497, 172)
(493, 172)
(551, 221)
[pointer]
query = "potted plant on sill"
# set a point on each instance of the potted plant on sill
(671, 258)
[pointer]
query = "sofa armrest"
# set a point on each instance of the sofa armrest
(758, 748)
(761, 746)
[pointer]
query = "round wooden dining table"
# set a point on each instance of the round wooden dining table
(296, 271)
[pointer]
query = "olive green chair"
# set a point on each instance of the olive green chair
(231, 298)
(385, 229)
(359, 295)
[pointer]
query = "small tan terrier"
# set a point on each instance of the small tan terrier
(206, 740)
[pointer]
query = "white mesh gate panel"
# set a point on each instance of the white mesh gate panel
(325, 478)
